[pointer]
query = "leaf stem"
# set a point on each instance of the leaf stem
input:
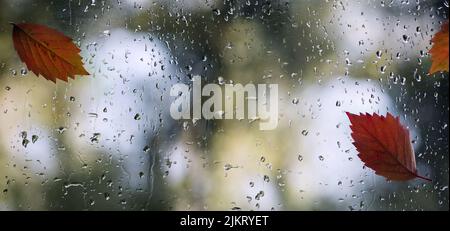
(423, 178)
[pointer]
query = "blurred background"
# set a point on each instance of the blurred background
(107, 141)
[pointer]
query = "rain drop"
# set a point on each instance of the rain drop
(34, 138)
(405, 38)
(305, 132)
(23, 71)
(379, 53)
(25, 142)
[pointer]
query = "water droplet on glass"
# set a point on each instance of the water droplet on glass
(379, 53)
(405, 38)
(95, 137)
(305, 132)
(418, 78)
(23, 71)
(34, 138)
(418, 30)
(403, 81)
(25, 142)
(61, 130)
(259, 195)
(216, 11)
(348, 62)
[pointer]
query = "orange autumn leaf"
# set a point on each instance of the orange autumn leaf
(384, 145)
(47, 52)
(439, 50)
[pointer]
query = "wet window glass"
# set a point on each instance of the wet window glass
(224, 105)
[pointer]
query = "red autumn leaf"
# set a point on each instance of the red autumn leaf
(439, 51)
(384, 145)
(47, 52)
